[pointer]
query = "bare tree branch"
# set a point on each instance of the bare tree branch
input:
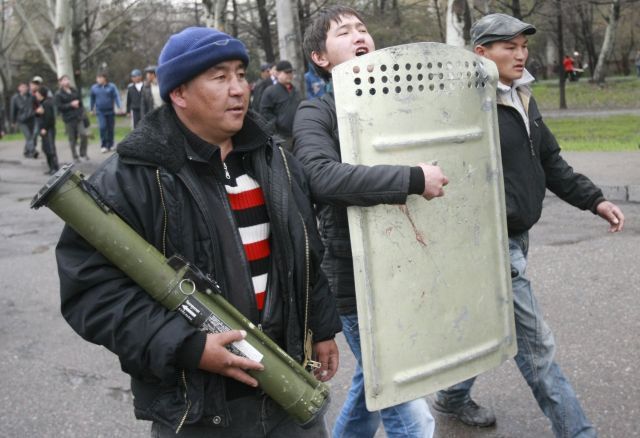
(34, 36)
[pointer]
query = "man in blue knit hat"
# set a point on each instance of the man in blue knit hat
(201, 178)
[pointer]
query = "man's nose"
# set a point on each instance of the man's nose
(236, 86)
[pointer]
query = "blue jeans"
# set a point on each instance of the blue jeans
(106, 122)
(410, 419)
(28, 130)
(536, 350)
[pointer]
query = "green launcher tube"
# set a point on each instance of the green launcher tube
(183, 288)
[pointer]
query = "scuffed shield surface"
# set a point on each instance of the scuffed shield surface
(432, 277)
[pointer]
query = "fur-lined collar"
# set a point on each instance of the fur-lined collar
(159, 140)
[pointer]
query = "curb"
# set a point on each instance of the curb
(628, 193)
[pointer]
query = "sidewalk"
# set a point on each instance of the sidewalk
(616, 173)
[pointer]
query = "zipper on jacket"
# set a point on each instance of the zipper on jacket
(226, 171)
(164, 252)
(164, 214)
(308, 362)
(269, 298)
(533, 152)
(186, 399)
(519, 117)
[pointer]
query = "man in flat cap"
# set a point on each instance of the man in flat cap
(280, 101)
(134, 97)
(150, 98)
(531, 164)
(201, 178)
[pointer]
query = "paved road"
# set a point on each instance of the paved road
(57, 385)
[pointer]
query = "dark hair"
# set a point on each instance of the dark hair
(315, 37)
(43, 91)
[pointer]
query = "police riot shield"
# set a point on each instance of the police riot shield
(433, 283)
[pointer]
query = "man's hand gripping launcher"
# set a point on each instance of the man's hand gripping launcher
(181, 287)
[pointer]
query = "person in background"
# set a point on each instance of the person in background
(150, 98)
(69, 105)
(104, 96)
(314, 83)
(569, 68)
(531, 164)
(35, 83)
(46, 125)
(280, 101)
(338, 34)
(22, 115)
(134, 97)
(261, 84)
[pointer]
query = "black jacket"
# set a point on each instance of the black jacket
(63, 103)
(146, 99)
(336, 185)
(278, 106)
(258, 91)
(176, 200)
(47, 120)
(22, 108)
(533, 163)
(134, 98)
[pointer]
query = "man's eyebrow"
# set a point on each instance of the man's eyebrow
(349, 25)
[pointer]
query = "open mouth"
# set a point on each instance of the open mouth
(361, 51)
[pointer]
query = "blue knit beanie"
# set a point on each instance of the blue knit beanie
(192, 51)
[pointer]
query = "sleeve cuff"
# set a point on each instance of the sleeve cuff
(416, 181)
(191, 351)
(597, 202)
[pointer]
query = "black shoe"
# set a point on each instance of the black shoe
(469, 413)
(35, 155)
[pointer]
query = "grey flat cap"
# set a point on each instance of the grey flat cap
(498, 27)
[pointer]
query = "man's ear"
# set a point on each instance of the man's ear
(479, 50)
(177, 96)
(320, 59)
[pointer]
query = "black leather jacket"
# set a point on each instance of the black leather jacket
(531, 164)
(174, 199)
(336, 185)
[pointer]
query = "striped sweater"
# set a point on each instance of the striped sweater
(247, 202)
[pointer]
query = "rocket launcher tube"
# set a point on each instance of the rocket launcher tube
(181, 287)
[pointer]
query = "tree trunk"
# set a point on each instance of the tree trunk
(599, 72)
(62, 40)
(585, 12)
(265, 31)
(516, 10)
(289, 40)
(550, 61)
(455, 22)
(214, 16)
(563, 100)
(441, 29)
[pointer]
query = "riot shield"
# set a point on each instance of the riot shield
(433, 282)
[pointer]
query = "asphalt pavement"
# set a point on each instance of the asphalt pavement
(57, 385)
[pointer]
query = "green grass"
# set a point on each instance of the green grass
(617, 92)
(123, 127)
(613, 133)
(610, 133)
